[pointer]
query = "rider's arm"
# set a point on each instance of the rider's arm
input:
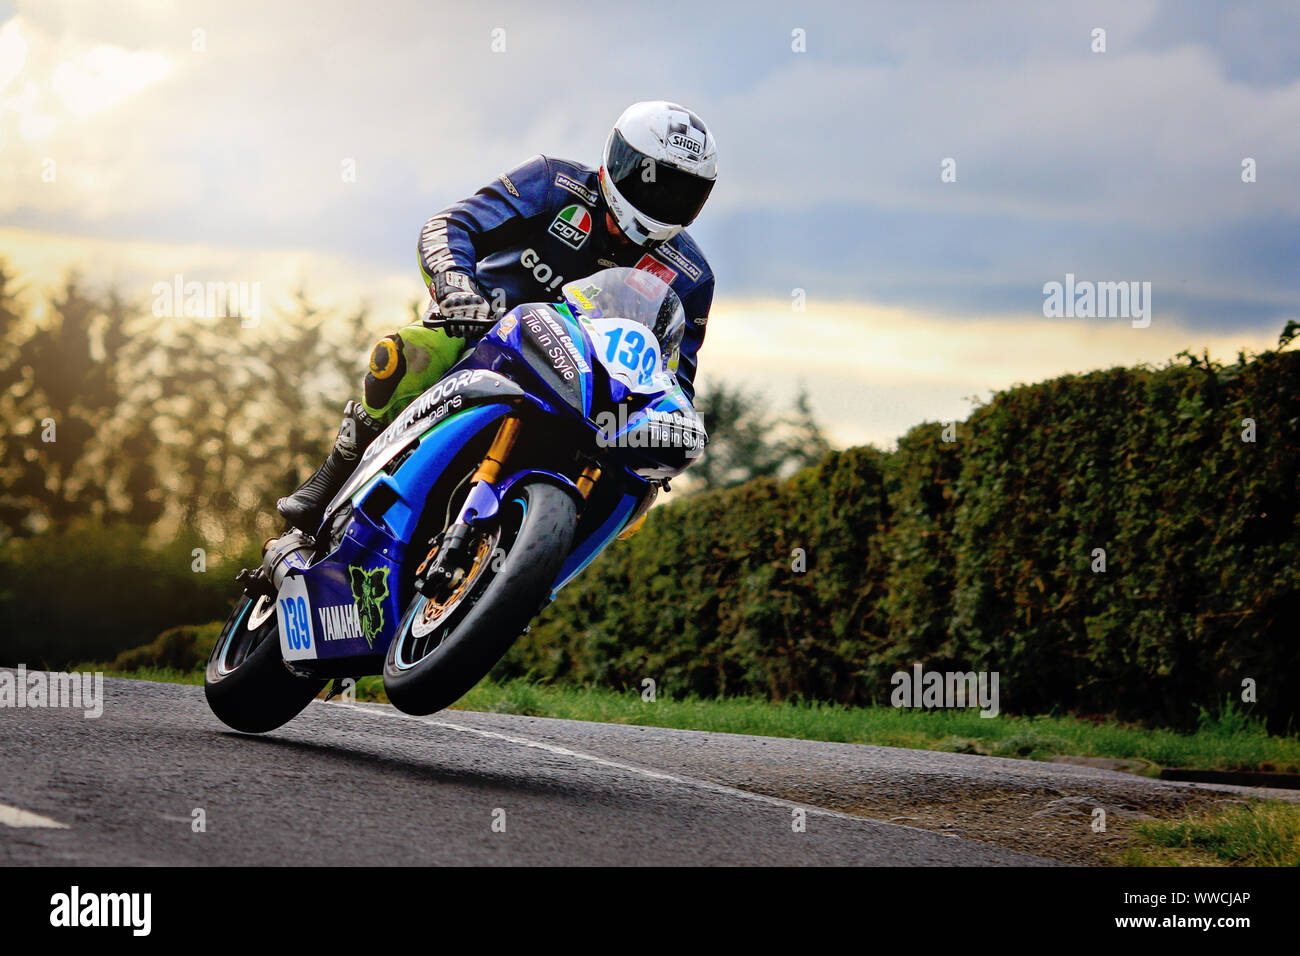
(695, 304)
(463, 234)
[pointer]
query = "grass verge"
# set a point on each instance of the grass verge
(1259, 833)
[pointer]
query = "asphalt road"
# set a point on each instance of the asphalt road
(364, 784)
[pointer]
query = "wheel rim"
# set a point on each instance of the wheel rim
(263, 609)
(245, 634)
(433, 610)
(429, 622)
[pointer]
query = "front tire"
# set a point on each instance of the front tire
(247, 683)
(440, 651)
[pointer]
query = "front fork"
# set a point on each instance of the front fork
(445, 566)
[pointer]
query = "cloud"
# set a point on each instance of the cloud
(212, 137)
(1254, 42)
(41, 261)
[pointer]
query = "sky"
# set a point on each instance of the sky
(141, 138)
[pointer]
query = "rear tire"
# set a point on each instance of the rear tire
(425, 673)
(247, 684)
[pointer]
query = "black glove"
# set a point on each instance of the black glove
(463, 312)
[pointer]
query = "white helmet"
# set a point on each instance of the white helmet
(660, 164)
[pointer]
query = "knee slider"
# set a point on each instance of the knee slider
(387, 366)
(387, 358)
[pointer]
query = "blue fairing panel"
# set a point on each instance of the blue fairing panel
(585, 551)
(418, 473)
(354, 601)
(581, 342)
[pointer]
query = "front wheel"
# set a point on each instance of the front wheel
(443, 647)
(247, 683)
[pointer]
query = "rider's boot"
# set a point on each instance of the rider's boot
(305, 508)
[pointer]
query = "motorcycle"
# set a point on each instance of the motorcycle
(489, 493)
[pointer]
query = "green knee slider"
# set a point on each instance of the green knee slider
(403, 365)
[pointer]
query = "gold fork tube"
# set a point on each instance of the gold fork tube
(587, 480)
(490, 467)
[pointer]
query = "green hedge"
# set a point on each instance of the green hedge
(719, 611)
(186, 647)
(977, 554)
(89, 592)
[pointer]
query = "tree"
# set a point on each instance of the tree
(747, 441)
(61, 390)
(166, 422)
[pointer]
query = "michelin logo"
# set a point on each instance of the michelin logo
(674, 257)
(575, 187)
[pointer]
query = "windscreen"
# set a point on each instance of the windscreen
(636, 296)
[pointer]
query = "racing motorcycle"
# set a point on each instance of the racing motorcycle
(484, 497)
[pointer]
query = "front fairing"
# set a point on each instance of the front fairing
(653, 430)
(544, 350)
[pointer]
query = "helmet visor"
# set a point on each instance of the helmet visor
(656, 190)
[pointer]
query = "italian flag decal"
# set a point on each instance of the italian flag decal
(572, 226)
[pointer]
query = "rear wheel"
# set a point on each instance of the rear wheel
(247, 683)
(446, 645)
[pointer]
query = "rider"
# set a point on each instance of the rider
(520, 239)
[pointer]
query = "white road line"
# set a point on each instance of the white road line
(14, 817)
(717, 788)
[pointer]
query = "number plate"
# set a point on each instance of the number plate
(630, 353)
(293, 609)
